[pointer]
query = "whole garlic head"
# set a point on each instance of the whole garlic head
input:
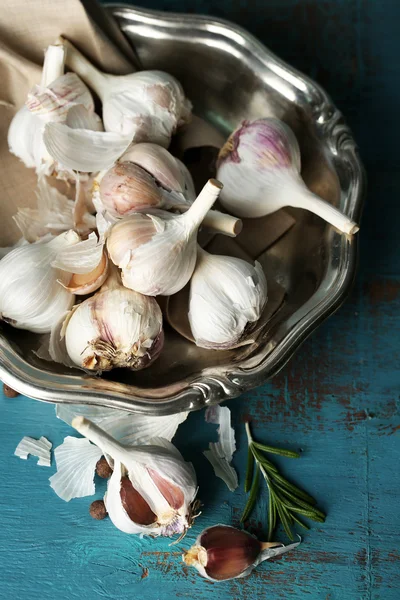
(148, 105)
(260, 168)
(116, 327)
(32, 295)
(227, 296)
(152, 489)
(157, 251)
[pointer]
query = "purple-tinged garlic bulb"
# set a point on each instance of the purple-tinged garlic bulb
(260, 169)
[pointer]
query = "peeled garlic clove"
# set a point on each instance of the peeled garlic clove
(151, 490)
(227, 296)
(260, 169)
(157, 252)
(147, 106)
(82, 284)
(31, 296)
(222, 552)
(126, 188)
(116, 327)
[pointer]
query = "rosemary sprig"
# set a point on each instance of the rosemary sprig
(286, 500)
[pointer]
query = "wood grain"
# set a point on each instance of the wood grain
(337, 400)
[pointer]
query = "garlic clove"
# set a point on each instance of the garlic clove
(127, 188)
(159, 163)
(157, 252)
(82, 284)
(263, 158)
(222, 552)
(227, 297)
(83, 149)
(135, 505)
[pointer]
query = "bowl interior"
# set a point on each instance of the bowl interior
(228, 77)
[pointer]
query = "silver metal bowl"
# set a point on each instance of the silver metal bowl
(229, 76)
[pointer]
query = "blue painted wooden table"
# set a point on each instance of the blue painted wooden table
(337, 400)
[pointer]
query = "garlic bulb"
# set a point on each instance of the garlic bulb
(227, 295)
(222, 552)
(114, 328)
(260, 169)
(147, 176)
(148, 105)
(31, 296)
(157, 252)
(151, 490)
(25, 134)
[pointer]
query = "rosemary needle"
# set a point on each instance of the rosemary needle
(286, 500)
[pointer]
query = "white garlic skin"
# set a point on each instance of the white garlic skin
(155, 251)
(149, 106)
(25, 138)
(227, 295)
(31, 296)
(116, 327)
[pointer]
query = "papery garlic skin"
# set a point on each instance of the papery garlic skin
(148, 106)
(157, 252)
(227, 295)
(162, 485)
(25, 138)
(222, 553)
(53, 102)
(116, 327)
(31, 296)
(260, 169)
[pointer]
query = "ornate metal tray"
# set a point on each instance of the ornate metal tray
(229, 76)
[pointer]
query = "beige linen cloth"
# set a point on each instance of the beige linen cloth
(26, 29)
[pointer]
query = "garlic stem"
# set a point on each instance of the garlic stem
(78, 63)
(223, 223)
(53, 66)
(204, 201)
(305, 199)
(101, 438)
(218, 221)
